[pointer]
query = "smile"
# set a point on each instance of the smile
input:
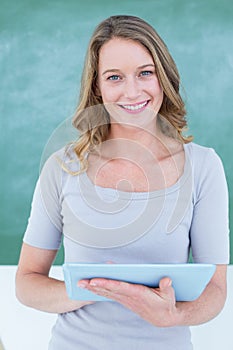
(135, 107)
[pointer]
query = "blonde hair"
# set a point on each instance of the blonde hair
(91, 117)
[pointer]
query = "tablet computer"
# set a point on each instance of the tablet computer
(188, 280)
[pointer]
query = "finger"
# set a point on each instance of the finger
(118, 287)
(108, 284)
(94, 288)
(125, 293)
(164, 283)
(83, 283)
(166, 291)
(99, 283)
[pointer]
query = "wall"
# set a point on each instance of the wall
(42, 47)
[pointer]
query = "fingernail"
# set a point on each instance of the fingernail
(82, 285)
(93, 283)
(170, 283)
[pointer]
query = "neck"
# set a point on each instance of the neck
(143, 135)
(133, 142)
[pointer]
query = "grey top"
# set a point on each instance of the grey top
(100, 224)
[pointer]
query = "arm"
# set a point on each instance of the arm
(33, 286)
(158, 305)
(209, 304)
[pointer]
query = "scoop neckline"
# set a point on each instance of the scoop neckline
(112, 192)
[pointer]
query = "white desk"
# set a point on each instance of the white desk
(23, 328)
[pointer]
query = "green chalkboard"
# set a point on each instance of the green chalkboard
(42, 48)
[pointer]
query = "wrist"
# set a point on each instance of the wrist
(180, 314)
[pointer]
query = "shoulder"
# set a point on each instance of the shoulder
(202, 155)
(62, 160)
(207, 167)
(56, 170)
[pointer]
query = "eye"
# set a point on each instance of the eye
(145, 73)
(114, 77)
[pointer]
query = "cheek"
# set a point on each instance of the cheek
(158, 91)
(157, 86)
(109, 94)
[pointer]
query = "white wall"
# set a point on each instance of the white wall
(23, 328)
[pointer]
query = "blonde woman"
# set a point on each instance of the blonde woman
(132, 189)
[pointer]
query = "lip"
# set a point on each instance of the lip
(134, 108)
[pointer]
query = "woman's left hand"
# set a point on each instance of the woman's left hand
(155, 305)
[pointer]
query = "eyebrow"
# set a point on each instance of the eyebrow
(118, 70)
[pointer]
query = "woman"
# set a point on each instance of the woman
(132, 189)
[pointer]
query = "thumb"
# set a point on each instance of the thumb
(165, 283)
(166, 290)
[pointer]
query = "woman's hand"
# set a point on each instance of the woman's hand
(155, 305)
(158, 305)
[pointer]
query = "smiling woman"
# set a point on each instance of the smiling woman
(126, 86)
(130, 84)
(149, 51)
(132, 189)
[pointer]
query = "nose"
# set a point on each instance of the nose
(131, 88)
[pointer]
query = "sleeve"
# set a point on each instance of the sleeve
(44, 229)
(210, 224)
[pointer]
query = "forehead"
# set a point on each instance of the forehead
(118, 52)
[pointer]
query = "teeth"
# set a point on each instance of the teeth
(135, 107)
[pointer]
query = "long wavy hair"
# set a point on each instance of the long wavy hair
(91, 118)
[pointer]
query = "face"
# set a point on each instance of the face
(127, 81)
